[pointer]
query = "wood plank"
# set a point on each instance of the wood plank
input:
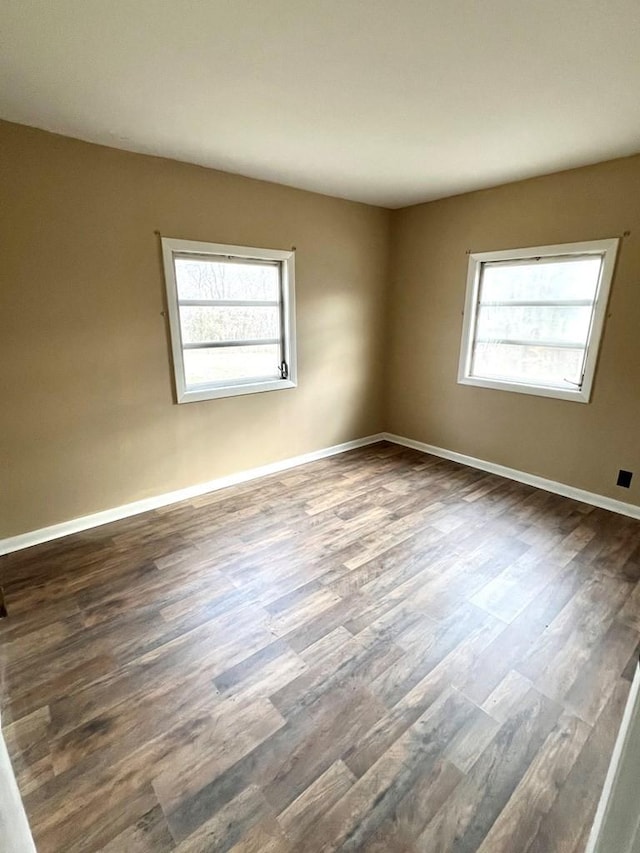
(227, 826)
(467, 816)
(149, 834)
(301, 818)
(375, 796)
(536, 792)
(382, 651)
(574, 807)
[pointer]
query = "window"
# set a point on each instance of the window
(231, 314)
(533, 318)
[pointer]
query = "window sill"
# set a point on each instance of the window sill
(577, 396)
(213, 393)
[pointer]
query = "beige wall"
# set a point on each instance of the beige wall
(87, 418)
(581, 445)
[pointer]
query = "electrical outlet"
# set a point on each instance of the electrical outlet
(624, 478)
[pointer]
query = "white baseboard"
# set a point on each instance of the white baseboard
(96, 519)
(521, 476)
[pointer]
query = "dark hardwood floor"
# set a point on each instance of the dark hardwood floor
(381, 652)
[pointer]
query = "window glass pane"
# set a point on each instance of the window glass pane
(557, 323)
(540, 280)
(217, 279)
(225, 323)
(231, 363)
(559, 367)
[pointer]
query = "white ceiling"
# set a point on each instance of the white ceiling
(384, 101)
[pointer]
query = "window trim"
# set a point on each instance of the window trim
(606, 248)
(171, 248)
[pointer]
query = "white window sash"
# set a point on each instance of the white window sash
(605, 249)
(173, 249)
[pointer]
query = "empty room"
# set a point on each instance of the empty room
(320, 426)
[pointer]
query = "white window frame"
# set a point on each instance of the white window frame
(172, 248)
(607, 249)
